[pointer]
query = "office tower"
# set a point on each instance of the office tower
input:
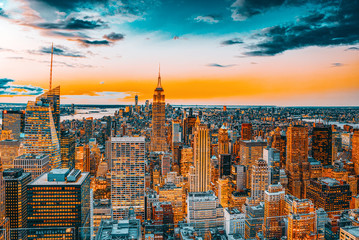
(301, 220)
(59, 205)
(4, 221)
(158, 136)
(322, 144)
(241, 177)
(224, 191)
(280, 143)
(273, 212)
(9, 150)
(176, 131)
(225, 164)
(349, 233)
(186, 160)
(88, 127)
(41, 136)
(162, 218)
(246, 131)
(176, 154)
(223, 140)
(67, 141)
(165, 163)
(315, 168)
(254, 220)
(260, 181)
(151, 196)
(202, 157)
(321, 220)
(250, 151)
(188, 127)
(169, 192)
(329, 194)
(355, 150)
(272, 157)
(13, 121)
(127, 176)
(16, 200)
(297, 165)
(36, 164)
(204, 210)
(234, 221)
(52, 99)
(136, 101)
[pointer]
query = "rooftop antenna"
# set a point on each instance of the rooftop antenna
(52, 57)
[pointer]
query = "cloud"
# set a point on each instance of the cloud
(62, 51)
(72, 23)
(8, 88)
(208, 19)
(2, 13)
(352, 49)
(323, 27)
(232, 41)
(219, 65)
(114, 36)
(94, 42)
(102, 83)
(70, 34)
(337, 64)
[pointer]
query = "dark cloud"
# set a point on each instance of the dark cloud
(352, 49)
(243, 9)
(94, 42)
(114, 36)
(61, 51)
(2, 13)
(232, 41)
(8, 88)
(219, 65)
(70, 34)
(323, 27)
(72, 23)
(208, 19)
(337, 64)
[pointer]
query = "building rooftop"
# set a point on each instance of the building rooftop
(32, 156)
(354, 230)
(43, 179)
(128, 139)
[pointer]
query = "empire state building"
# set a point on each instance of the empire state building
(158, 138)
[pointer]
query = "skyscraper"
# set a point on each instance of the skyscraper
(40, 129)
(250, 151)
(127, 176)
(158, 137)
(301, 220)
(188, 125)
(272, 157)
(273, 211)
(246, 131)
(322, 145)
(16, 200)
(52, 98)
(280, 143)
(202, 158)
(355, 150)
(297, 165)
(67, 149)
(36, 164)
(4, 221)
(59, 205)
(176, 131)
(260, 181)
(223, 140)
(13, 121)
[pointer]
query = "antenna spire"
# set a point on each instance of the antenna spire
(52, 57)
(159, 85)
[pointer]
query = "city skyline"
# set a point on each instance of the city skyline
(286, 53)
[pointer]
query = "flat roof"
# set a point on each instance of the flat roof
(42, 180)
(128, 139)
(352, 230)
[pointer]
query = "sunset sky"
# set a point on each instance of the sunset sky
(231, 52)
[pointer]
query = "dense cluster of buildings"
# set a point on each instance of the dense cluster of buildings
(156, 171)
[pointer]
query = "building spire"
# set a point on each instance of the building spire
(159, 85)
(52, 56)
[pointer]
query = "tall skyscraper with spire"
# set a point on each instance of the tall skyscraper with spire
(158, 138)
